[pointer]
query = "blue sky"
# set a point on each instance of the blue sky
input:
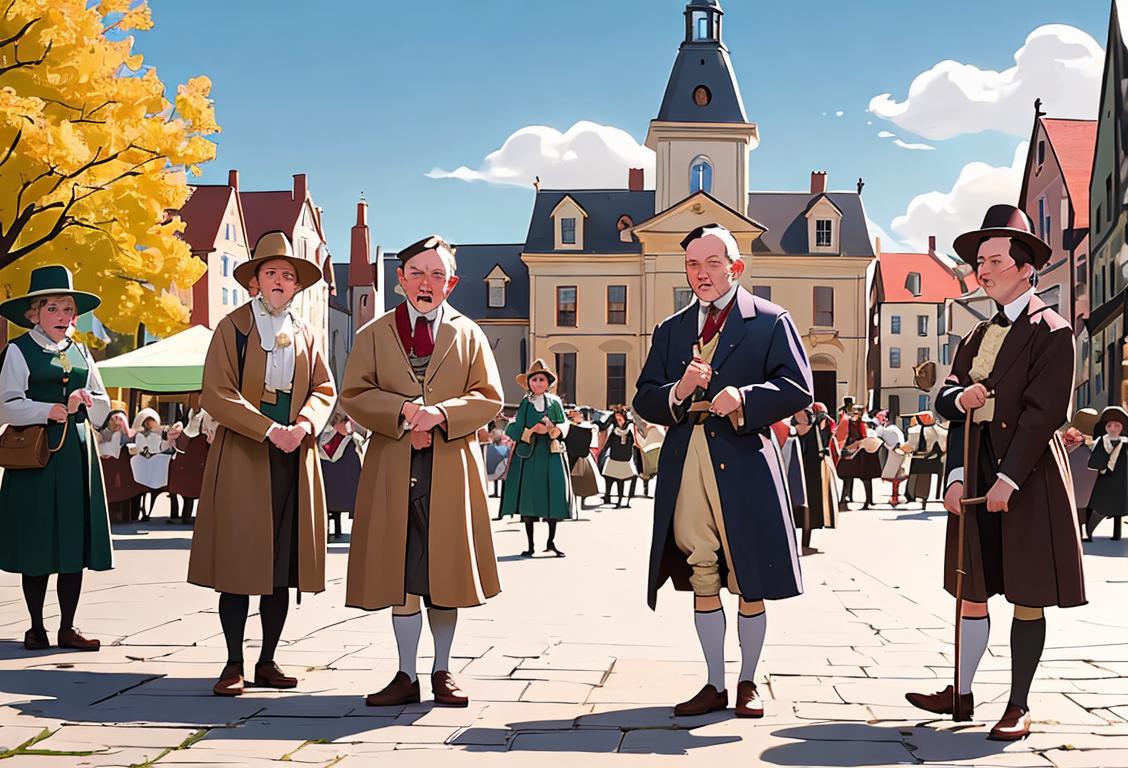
(370, 96)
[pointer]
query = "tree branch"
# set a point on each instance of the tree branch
(12, 148)
(21, 33)
(20, 64)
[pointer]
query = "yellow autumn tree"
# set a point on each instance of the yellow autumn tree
(94, 157)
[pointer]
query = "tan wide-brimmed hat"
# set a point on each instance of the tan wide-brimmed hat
(276, 245)
(1085, 420)
(538, 366)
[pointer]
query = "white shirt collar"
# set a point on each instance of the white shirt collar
(721, 303)
(270, 324)
(432, 317)
(42, 339)
(1016, 307)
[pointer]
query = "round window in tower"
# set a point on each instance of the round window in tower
(702, 96)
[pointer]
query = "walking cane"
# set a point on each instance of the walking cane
(966, 504)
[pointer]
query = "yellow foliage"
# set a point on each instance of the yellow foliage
(94, 156)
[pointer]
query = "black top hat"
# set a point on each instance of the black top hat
(1003, 221)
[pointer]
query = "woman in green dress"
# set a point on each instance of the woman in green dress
(54, 519)
(538, 485)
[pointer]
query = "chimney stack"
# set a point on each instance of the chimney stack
(818, 182)
(300, 188)
(233, 179)
(362, 213)
(360, 259)
(635, 180)
(932, 245)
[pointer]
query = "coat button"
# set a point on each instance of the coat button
(712, 434)
(430, 389)
(722, 467)
(1003, 425)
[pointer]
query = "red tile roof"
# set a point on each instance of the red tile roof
(203, 213)
(1073, 143)
(268, 211)
(938, 281)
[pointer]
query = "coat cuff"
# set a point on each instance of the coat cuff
(1007, 480)
(955, 476)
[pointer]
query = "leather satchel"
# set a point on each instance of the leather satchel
(26, 447)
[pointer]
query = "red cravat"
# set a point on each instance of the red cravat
(421, 341)
(709, 330)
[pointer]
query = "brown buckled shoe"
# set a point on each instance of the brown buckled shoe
(230, 681)
(707, 700)
(36, 640)
(270, 675)
(941, 703)
(1014, 725)
(446, 691)
(748, 701)
(396, 693)
(73, 639)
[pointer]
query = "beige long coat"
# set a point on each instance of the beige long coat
(233, 540)
(461, 380)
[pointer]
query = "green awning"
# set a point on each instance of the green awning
(175, 364)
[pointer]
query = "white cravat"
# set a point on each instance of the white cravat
(279, 359)
(1016, 307)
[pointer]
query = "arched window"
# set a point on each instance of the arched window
(700, 175)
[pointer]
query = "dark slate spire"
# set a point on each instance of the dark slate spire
(702, 86)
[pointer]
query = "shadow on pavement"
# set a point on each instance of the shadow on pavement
(856, 745)
(1102, 546)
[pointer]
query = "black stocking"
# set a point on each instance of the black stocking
(233, 618)
(35, 592)
(69, 587)
(272, 610)
(529, 534)
(551, 533)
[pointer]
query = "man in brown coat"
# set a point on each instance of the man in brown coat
(1014, 375)
(260, 528)
(423, 379)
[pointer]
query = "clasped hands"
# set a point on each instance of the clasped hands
(287, 439)
(698, 374)
(78, 398)
(544, 427)
(421, 419)
(998, 498)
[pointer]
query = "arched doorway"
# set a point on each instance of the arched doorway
(824, 371)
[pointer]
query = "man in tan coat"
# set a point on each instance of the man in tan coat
(423, 379)
(260, 528)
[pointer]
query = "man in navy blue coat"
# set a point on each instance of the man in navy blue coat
(718, 374)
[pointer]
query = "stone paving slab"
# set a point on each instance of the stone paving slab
(584, 671)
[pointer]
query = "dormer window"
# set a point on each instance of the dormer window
(701, 175)
(496, 284)
(824, 237)
(568, 223)
(912, 283)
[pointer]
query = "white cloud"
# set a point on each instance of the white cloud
(588, 155)
(885, 134)
(839, 113)
(916, 146)
(888, 244)
(1060, 64)
(961, 208)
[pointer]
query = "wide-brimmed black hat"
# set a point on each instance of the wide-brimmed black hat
(1111, 413)
(52, 280)
(1003, 221)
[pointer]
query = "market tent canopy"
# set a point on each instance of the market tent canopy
(175, 364)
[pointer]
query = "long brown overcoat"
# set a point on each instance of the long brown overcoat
(462, 381)
(233, 540)
(1032, 552)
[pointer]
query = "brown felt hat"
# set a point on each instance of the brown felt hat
(538, 366)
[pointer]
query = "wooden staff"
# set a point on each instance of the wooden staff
(966, 505)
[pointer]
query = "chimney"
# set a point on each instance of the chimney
(635, 179)
(877, 245)
(360, 273)
(932, 245)
(300, 188)
(818, 182)
(233, 179)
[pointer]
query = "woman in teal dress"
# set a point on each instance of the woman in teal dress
(54, 519)
(538, 486)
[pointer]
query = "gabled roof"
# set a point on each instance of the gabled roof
(1073, 143)
(601, 231)
(203, 213)
(784, 216)
(938, 281)
(471, 295)
(815, 200)
(268, 211)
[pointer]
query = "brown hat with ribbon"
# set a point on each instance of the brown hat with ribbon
(276, 245)
(1004, 221)
(538, 367)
